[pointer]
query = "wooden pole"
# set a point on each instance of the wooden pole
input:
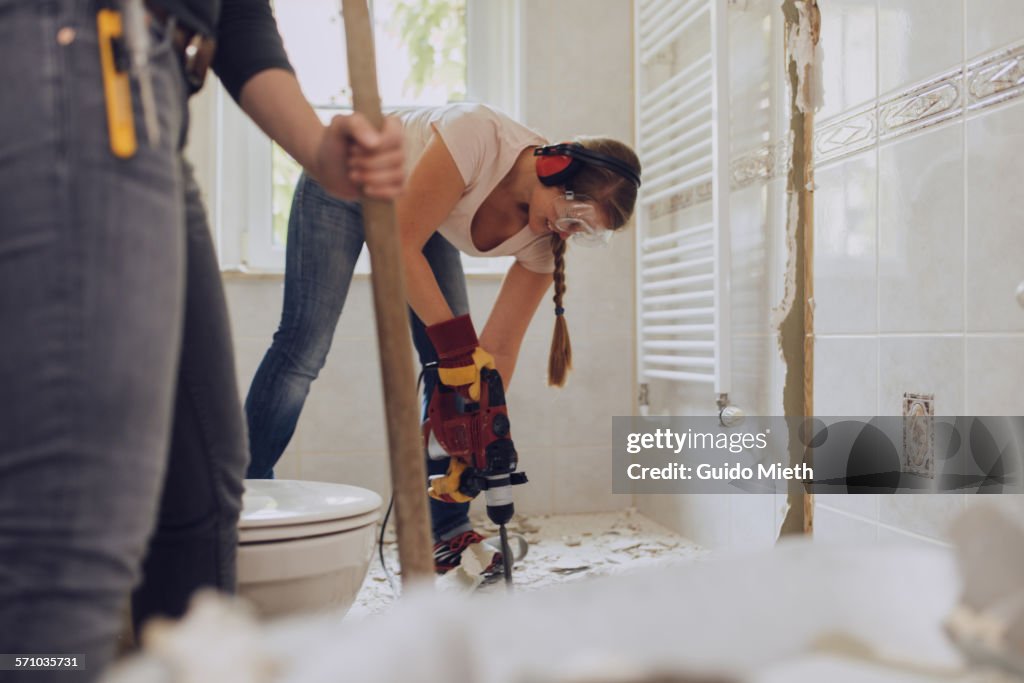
(408, 468)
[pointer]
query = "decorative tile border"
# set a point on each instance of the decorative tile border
(936, 101)
(982, 83)
(851, 133)
(753, 166)
(996, 79)
(758, 165)
(761, 164)
(683, 199)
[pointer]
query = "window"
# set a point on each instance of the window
(429, 52)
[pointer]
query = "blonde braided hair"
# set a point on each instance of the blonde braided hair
(560, 358)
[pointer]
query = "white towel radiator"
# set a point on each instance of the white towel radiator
(682, 115)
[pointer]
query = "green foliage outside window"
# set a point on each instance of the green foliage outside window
(284, 173)
(435, 33)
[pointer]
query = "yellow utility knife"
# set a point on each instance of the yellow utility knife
(116, 83)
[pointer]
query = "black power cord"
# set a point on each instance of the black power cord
(380, 547)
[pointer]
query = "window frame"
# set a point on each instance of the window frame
(236, 175)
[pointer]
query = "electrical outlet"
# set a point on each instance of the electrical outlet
(918, 434)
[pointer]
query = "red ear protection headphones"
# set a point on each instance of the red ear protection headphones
(557, 164)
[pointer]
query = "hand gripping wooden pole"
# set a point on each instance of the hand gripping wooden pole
(408, 468)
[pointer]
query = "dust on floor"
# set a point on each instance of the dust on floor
(563, 548)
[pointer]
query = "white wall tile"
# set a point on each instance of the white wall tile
(835, 527)
(752, 521)
(781, 508)
(845, 246)
(751, 387)
(582, 480)
(599, 290)
(558, 34)
(921, 365)
(993, 24)
(368, 469)
(483, 290)
(358, 318)
(664, 508)
(750, 293)
(777, 207)
(848, 41)
(540, 495)
(917, 39)
(995, 373)
(681, 398)
(928, 514)
(249, 352)
(254, 305)
(579, 414)
(776, 369)
(863, 505)
(776, 226)
(751, 72)
(704, 518)
(345, 407)
(896, 537)
(1011, 504)
(920, 245)
(846, 376)
(290, 464)
(708, 520)
(995, 217)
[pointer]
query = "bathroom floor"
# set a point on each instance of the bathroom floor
(563, 548)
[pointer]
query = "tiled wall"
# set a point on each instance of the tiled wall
(919, 230)
(563, 436)
(919, 240)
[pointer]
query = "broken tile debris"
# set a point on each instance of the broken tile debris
(562, 548)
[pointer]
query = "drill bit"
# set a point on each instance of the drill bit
(506, 554)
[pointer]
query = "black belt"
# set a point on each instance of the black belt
(195, 49)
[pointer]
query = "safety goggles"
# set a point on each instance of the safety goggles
(579, 218)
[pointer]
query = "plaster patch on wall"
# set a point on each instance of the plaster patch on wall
(780, 312)
(805, 50)
(792, 320)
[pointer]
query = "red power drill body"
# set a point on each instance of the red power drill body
(478, 437)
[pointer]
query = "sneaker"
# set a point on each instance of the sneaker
(448, 554)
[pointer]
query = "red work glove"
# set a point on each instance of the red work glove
(460, 357)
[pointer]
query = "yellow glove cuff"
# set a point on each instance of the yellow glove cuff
(482, 359)
(446, 488)
(468, 374)
(457, 377)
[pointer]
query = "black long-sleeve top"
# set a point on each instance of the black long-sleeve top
(246, 34)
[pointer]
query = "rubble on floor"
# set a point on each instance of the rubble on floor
(562, 548)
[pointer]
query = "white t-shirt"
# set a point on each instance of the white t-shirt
(485, 144)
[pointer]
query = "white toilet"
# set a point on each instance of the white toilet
(304, 545)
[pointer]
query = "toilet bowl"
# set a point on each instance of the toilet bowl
(304, 545)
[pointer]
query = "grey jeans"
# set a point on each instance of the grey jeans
(121, 433)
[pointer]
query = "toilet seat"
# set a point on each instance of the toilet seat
(285, 509)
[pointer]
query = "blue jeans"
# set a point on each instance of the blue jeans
(122, 443)
(325, 236)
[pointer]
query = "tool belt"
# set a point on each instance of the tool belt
(193, 48)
